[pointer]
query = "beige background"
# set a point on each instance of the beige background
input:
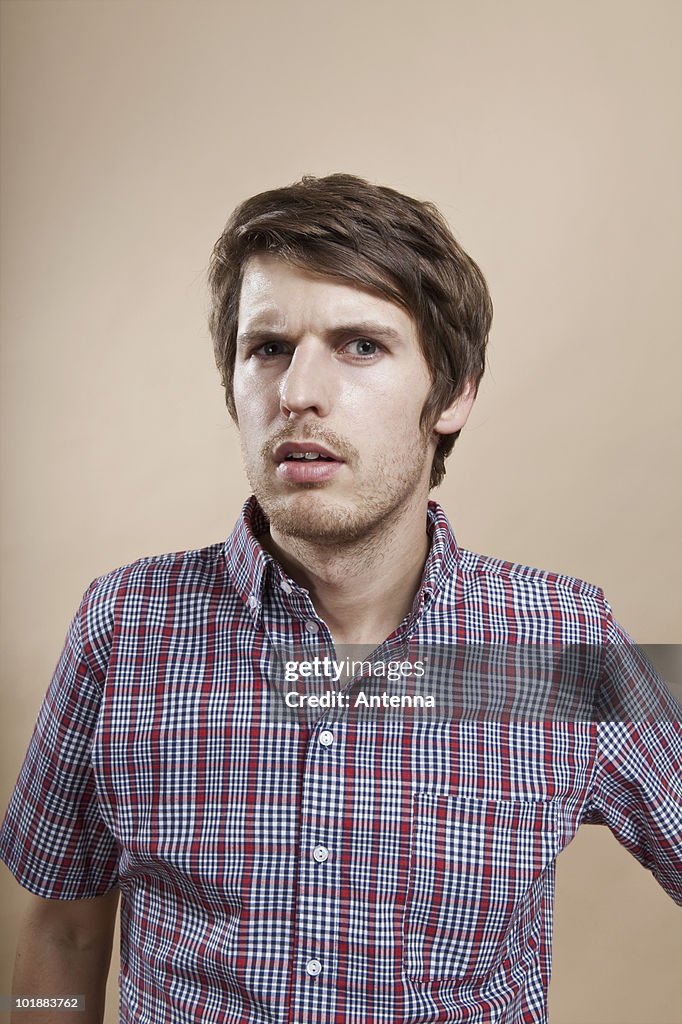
(549, 135)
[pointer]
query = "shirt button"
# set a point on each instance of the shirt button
(312, 626)
(320, 853)
(286, 587)
(313, 968)
(326, 738)
(253, 601)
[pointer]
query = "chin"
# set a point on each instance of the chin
(310, 516)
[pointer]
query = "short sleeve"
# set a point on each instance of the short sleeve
(637, 784)
(54, 839)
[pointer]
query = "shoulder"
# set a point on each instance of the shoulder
(509, 599)
(154, 573)
(151, 589)
(484, 568)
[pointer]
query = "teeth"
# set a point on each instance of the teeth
(308, 456)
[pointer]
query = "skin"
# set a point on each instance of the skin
(64, 948)
(357, 541)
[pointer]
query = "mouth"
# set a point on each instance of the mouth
(304, 451)
(306, 463)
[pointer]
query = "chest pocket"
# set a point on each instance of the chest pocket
(477, 874)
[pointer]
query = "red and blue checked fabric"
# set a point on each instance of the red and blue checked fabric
(328, 869)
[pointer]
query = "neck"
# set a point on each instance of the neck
(363, 589)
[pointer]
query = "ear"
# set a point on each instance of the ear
(455, 416)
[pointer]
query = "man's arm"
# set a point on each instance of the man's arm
(637, 783)
(64, 949)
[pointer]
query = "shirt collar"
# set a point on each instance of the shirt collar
(248, 563)
(443, 554)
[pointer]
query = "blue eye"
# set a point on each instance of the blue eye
(367, 347)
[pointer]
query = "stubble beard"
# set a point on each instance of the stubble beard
(307, 512)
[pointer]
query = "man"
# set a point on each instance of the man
(280, 858)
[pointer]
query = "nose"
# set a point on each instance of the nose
(307, 385)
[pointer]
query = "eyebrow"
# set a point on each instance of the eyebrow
(362, 327)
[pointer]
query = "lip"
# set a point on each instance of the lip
(302, 472)
(296, 447)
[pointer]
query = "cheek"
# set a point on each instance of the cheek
(397, 396)
(252, 400)
(384, 428)
(394, 410)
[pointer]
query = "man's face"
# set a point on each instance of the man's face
(325, 366)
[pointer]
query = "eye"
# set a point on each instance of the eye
(269, 350)
(365, 347)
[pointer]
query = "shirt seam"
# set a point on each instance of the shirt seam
(592, 784)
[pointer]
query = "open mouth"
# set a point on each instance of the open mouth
(304, 451)
(306, 463)
(308, 457)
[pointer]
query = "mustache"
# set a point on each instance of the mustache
(327, 438)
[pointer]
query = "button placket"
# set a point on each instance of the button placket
(318, 907)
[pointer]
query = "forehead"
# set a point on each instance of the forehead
(277, 294)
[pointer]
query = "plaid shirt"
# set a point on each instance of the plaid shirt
(334, 870)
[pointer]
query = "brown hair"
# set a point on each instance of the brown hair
(345, 227)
